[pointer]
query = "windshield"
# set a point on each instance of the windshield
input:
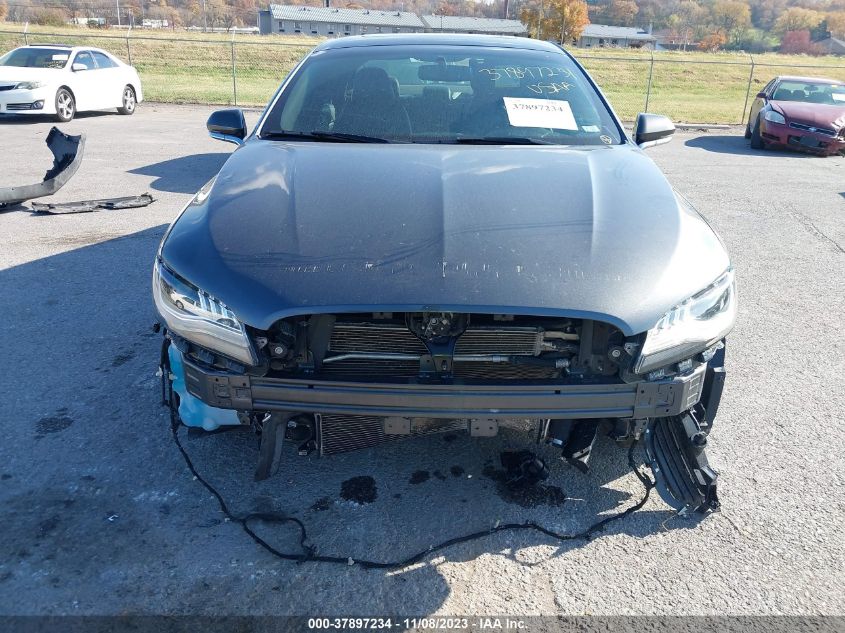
(36, 58)
(808, 92)
(439, 94)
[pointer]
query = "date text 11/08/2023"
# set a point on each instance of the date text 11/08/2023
(430, 623)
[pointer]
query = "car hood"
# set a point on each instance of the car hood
(298, 228)
(817, 114)
(16, 73)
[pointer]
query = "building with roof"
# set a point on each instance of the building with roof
(832, 45)
(466, 24)
(333, 22)
(601, 35)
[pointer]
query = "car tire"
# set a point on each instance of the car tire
(756, 138)
(65, 105)
(128, 100)
(747, 131)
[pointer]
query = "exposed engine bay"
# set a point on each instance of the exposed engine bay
(478, 358)
(439, 345)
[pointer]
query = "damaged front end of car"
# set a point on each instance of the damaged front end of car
(330, 382)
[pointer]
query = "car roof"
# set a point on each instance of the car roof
(71, 49)
(439, 39)
(818, 80)
(49, 46)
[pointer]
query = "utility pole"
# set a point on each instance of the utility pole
(117, 2)
(204, 18)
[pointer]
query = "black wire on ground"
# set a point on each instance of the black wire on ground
(309, 553)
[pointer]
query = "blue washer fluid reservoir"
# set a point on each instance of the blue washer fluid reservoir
(192, 410)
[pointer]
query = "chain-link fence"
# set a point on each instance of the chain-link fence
(695, 88)
(189, 69)
(687, 87)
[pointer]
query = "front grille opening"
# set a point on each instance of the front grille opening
(470, 348)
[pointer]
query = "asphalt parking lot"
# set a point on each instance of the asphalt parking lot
(101, 516)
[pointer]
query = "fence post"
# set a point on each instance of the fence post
(748, 89)
(648, 89)
(128, 47)
(25, 36)
(234, 72)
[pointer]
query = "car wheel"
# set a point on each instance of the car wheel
(756, 139)
(128, 101)
(747, 131)
(65, 105)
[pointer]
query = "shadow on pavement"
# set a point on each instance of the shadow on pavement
(111, 491)
(29, 119)
(735, 144)
(185, 174)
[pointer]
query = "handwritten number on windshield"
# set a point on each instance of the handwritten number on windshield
(521, 72)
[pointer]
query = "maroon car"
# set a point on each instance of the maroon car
(802, 113)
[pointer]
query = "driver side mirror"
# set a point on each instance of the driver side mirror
(761, 95)
(227, 125)
(652, 129)
(76, 67)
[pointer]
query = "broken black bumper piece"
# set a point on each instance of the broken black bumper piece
(684, 478)
(67, 155)
(87, 206)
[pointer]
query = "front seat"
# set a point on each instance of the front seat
(374, 108)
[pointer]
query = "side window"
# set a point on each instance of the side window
(769, 89)
(103, 61)
(86, 60)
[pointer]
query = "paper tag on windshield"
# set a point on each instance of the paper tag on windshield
(838, 96)
(60, 58)
(540, 113)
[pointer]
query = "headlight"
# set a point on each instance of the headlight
(774, 117)
(692, 326)
(29, 85)
(199, 317)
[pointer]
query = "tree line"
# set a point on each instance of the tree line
(793, 26)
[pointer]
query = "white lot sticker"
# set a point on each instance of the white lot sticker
(60, 58)
(540, 113)
(838, 96)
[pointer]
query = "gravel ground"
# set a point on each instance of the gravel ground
(100, 515)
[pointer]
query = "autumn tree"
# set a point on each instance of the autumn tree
(687, 17)
(712, 42)
(798, 42)
(560, 20)
(797, 19)
(444, 8)
(731, 17)
(623, 12)
(654, 12)
(835, 23)
(765, 12)
(4, 10)
(566, 21)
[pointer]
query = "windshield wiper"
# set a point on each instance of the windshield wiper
(349, 138)
(500, 140)
(318, 135)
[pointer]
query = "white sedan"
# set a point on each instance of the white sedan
(63, 80)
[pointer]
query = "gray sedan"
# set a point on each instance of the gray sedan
(432, 233)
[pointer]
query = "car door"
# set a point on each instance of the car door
(84, 86)
(110, 80)
(759, 102)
